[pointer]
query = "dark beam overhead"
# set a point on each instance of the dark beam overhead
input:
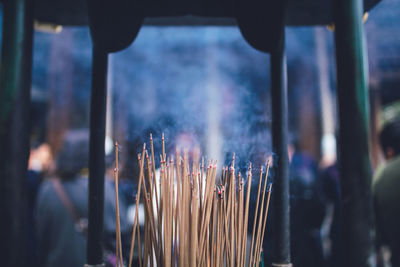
(298, 12)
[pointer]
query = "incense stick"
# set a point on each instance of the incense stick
(191, 221)
(118, 229)
(246, 213)
(257, 244)
(136, 222)
(255, 217)
(265, 221)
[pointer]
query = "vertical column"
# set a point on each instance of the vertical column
(15, 85)
(281, 161)
(354, 162)
(98, 103)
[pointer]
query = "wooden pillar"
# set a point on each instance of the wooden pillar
(15, 85)
(281, 161)
(354, 161)
(98, 103)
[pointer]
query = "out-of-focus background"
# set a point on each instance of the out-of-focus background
(205, 87)
(207, 81)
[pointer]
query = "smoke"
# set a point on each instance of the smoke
(203, 82)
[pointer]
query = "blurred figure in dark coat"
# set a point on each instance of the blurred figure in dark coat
(330, 183)
(61, 241)
(386, 188)
(307, 211)
(39, 164)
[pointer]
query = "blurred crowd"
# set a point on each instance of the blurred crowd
(58, 211)
(58, 205)
(316, 206)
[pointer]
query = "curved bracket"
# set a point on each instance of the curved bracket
(261, 23)
(113, 25)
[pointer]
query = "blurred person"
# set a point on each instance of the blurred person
(61, 237)
(307, 212)
(385, 188)
(331, 194)
(39, 163)
(330, 187)
(306, 209)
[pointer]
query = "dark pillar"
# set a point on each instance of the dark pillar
(355, 169)
(281, 162)
(97, 157)
(15, 84)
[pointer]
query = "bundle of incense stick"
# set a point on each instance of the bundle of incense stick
(193, 218)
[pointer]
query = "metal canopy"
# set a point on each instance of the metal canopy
(298, 12)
